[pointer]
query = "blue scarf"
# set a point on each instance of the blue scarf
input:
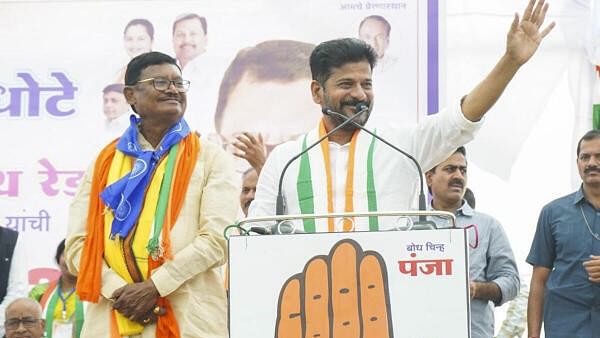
(126, 196)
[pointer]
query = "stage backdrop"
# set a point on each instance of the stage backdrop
(60, 56)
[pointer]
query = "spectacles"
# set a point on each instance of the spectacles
(162, 84)
(28, 322)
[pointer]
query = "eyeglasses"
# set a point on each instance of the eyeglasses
(162, 84)
(28, 322)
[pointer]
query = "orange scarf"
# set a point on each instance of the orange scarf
(349, 194)
(90, 271)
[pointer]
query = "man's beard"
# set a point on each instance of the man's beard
(338, 108)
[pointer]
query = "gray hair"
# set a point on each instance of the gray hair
(29, 301)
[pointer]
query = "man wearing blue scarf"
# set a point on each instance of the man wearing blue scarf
(152, 210)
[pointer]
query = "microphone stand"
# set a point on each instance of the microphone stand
(422, 204)
(280, 204)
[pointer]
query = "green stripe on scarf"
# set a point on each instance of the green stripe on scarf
(305, 190)
(371, 194)
(50, 312)
(163, 200)
(306, 196)
(79, 315)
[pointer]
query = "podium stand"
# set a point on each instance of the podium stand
(411, 284)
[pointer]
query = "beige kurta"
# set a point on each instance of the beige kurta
(191, 281)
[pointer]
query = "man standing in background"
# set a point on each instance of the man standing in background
(13, 271)
(493, 275)
(564, 292)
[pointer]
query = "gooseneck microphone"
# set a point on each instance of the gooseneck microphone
(422, 204)
(280, 203)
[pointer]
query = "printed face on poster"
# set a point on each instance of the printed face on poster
(60, 93)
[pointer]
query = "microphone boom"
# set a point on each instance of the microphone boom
(280, 203)
(422, 204)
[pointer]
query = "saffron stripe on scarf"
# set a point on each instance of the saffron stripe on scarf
(304, 185)
(349, 202)
(327, 163)
(348, 205)
(91, 263)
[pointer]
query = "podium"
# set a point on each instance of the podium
(412, 284)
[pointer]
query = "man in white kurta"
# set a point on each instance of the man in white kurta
(395, 176)
(186, 291)
(373, 177)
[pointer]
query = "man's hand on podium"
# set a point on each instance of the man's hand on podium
(308, 307)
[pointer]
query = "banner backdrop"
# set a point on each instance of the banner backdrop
(247, 61)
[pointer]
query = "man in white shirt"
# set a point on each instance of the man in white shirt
(375, 30)
(24, 319)
(13, 270)
(189, 37)
(351, 171)
(115, 109)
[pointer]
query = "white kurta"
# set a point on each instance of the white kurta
(396, 178)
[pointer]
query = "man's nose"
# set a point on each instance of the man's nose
(359, 93)
(376, 44)
(457, 175)
(21, 327)
(172, 88)
(187, 38)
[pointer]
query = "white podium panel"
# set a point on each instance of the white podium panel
(403, 284)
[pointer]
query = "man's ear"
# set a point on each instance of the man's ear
(316, 91)
(429, 177)
(129, 95)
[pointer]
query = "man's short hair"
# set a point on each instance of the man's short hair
(142, 22)
(281, 61)
(189, 16)
(113, 87)
(336, 53)
(590, 135)
(379, 18)
(143, 61)
(60, 249)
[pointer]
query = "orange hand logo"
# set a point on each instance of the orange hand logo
(344, 294)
